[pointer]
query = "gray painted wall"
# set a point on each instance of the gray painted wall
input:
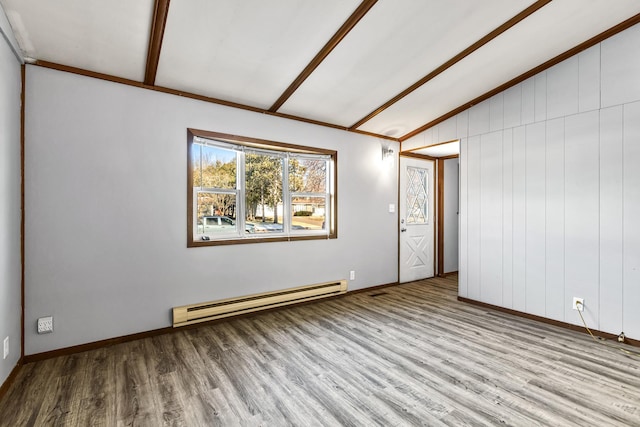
(451, 189)
(105, 239)
(550, 190)
(10, 307)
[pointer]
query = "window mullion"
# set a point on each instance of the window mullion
(303, 194)
(216, 190)
(241, 216)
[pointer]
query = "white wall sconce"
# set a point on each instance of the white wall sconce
(387, 153)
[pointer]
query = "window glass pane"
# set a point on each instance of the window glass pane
(307, 175)
(196, 169)
(263, 192)
(218, 167)
(417, 196)
(308, 213)
(216, 213)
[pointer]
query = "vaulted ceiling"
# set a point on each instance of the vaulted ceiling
(388, 67)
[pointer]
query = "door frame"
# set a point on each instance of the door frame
(435, 186)
(440, 209)
(438, 223)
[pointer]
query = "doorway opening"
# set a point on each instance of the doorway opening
(443, 158)
(417, 219)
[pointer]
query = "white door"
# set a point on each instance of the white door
(417, 213)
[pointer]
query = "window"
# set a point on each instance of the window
(417, 196)
(245, 190)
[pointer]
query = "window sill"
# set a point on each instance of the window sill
(221, 242)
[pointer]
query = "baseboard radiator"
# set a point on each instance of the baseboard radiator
(195, 313)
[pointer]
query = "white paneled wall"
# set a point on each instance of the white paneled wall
(540, 97)
(589, 79)
(611, 225)
(519, 220)
(491, 216)
(619, 61)
(528, 102)
(507, 218)
(496, 113)
(631, 220)
(512, 106)
(448, 130)
(535, 218)
(462, 121)
(554, 222)
(562, 89)
(463, 247)
(581, 201)
(550, 190)
(474, 229)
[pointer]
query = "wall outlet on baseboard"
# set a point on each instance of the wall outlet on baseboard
(578, 304)
(45, 325)
(352, 275)
(6, 348)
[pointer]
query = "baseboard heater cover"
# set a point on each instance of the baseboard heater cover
(195, 313)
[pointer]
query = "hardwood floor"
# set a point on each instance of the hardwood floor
(404, 355)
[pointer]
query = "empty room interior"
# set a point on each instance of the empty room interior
(337, 212)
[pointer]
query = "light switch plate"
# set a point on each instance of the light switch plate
(392, 208)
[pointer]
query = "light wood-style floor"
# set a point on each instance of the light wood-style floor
(404, 355)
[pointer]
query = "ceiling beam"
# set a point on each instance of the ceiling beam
(522, 77)
(349, 24)
(460, 56)
(160, 13)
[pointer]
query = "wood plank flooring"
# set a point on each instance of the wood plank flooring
(404, 355)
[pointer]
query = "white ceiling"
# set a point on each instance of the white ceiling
(554, 29)
(245, 51)
(110, 37)
(443, 149)
(250, 52)
(393, 46)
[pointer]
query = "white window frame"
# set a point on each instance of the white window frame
(242, 146)
(326, 195)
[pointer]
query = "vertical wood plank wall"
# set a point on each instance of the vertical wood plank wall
(451, 212)
(550, 190)
(611, 216)
(631, 220)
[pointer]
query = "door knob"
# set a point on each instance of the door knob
(402, 230)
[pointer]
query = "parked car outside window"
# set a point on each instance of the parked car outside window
(218, 223)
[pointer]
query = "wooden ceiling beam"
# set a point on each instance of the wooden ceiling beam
(460, 56)
(160, 13)
(522, 77)
(349, 24)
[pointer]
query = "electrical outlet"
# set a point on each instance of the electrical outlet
(45, 325)
(352, 275)
(6, 348)
(578, 304)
